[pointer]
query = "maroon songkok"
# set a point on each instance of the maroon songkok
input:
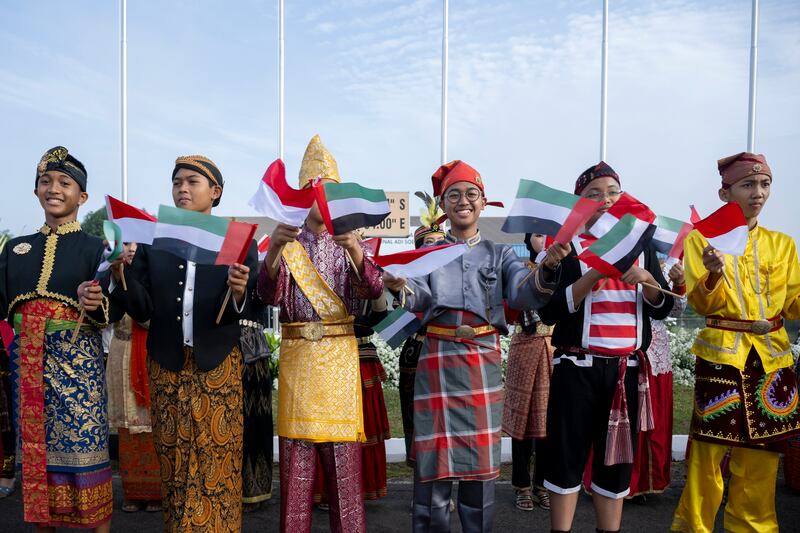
(740, 166)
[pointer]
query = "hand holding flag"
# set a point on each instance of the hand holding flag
(90, 293)
(726, 232)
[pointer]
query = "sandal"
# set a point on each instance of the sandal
(5, 492)
(524, 499)
(130, 506)
(153, 506)
(542, 499)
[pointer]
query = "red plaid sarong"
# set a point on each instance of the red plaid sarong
(458, 404)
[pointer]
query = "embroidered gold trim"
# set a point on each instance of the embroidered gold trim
(62, 229)
(48, 262)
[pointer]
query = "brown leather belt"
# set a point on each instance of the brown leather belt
(758, 327)
(314, 331)
(461, 332)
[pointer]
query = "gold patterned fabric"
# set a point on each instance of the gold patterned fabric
(318, 163)
(330, 411)
(198, 423)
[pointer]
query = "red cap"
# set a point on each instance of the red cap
(453, 172)
(742, 165)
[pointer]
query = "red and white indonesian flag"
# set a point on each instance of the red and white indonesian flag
(136, 225)
(263, 246)
(201, 238)
(547, 211)
(616, 251)
(725, 229)
(276, 200)
(626, 205)
(421, 262)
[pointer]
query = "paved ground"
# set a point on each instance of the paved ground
(392, 514)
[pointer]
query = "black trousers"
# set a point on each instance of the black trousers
(431, 512)
(522, 452)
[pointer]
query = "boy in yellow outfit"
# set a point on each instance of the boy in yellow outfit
(745, 389)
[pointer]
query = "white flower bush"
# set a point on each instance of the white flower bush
(390, 359)
(680, 347)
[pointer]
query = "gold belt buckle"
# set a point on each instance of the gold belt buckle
(465, 332)
(760, 327)
(312, 331)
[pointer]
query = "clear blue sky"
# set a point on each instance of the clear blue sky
(365, 74)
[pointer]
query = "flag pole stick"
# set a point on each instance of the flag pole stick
(534, 268)
(602, 284)
(352, 264)
(224, 305)
(122, 278)
(659, 288)
(78, 325)
(278, 258)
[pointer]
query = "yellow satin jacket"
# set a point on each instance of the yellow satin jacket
(765, 284)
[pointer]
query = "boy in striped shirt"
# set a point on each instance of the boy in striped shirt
(602, 328)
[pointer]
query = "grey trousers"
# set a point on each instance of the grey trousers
(431, 512)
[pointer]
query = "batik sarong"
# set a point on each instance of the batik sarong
(61, 416)
(197, 428)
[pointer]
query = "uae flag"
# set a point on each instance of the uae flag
(669, 236)
(263, 246)
(725, 229)
(200, 238)
(136, 225)
(616, 251)
(421, 262)
(348, 206)
(276, 200)
(542, 209)
(626, 205)
(114, 246)
(397, 327)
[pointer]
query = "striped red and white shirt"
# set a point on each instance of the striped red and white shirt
(612, 321)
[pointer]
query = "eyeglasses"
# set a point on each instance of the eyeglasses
(471, 194)
(611, 195)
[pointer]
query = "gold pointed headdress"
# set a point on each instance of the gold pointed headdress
(318, 163)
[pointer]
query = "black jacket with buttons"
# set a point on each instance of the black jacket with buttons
(156, 282)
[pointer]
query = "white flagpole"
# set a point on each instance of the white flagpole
(445, 23)
(604, 85)
(751, 115)
(123, 95)
(280, 78)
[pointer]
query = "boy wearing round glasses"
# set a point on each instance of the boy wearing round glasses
(458, 398)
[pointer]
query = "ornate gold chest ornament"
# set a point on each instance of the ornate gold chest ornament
(22, 248)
